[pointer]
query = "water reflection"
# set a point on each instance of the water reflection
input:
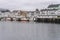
(29, 31)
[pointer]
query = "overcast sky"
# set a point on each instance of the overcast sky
(26, 4)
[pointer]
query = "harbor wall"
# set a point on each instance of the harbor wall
(48, 20)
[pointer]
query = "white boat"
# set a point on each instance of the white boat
(24, 19)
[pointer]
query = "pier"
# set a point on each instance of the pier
(48, 20)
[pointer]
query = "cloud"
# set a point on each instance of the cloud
(26, 4)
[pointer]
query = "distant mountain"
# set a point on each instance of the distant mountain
(4, 10)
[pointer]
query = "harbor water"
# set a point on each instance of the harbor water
(29, 31)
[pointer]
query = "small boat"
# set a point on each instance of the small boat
(24, 19)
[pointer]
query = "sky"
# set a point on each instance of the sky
(26, 4)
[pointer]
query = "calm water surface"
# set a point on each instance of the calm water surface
(29, 31)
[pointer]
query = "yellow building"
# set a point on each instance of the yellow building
(23, 13)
